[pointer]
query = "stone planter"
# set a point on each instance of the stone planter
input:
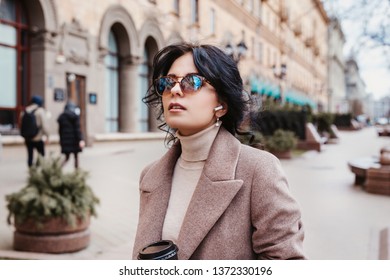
(282, 154)
(53, 235)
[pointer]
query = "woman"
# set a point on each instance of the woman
(71, 139)
(212, 196)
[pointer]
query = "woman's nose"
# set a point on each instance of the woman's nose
(177, 90)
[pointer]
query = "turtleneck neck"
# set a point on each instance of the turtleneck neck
(188, 169)
(196, 147)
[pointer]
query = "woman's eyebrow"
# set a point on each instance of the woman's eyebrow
(176, 76)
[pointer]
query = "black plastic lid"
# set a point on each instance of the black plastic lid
(161, 250)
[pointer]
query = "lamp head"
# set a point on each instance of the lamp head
(229, 49)
(242, 48)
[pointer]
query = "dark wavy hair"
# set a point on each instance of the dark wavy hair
(213, 64)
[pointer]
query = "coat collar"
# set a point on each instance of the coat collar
(214, 192)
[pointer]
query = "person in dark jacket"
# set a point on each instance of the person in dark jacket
(71, 138)
(41, 139)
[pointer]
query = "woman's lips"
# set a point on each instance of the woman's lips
(176, 107)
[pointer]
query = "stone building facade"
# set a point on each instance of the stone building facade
(99, 53)
(336, 63)
(355, 88)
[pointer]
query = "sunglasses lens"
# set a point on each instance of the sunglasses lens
(163, 84)
(191, 83)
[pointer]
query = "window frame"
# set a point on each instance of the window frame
(23, 65)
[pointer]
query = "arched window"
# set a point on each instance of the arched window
(147, 117)
(112, 85)
(194, 11)
(176, 7)
(14, 66)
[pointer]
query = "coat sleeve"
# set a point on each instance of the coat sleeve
(77, 129)
(276, 217)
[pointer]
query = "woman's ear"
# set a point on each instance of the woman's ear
(221, 112)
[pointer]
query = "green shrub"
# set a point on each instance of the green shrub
(253, 138)
(281, 141)
(52, 193)
(324, 121)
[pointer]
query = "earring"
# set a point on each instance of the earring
(218, 123)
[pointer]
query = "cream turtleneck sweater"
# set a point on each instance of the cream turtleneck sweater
(188, 168)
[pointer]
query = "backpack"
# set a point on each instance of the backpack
(29, 128)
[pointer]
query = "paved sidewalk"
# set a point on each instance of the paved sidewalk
(114, 172)
(341, 220)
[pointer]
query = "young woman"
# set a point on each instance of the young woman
(212, 196)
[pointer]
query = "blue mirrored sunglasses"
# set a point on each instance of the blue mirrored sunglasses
(189, 83)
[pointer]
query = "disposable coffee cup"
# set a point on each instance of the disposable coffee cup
(161, 250)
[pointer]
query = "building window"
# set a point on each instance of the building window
(8, 58)
(269, 62)
(275, 59)
(253, 47)
(195, 11)
(112, 85)
(260, 52)
(176, 7)
(251, 6)
(212, 21)
(275, 24)
(260, 9)
(14, 63)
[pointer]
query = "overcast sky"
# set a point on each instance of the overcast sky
(374, 63)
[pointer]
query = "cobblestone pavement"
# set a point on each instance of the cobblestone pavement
(341, 220)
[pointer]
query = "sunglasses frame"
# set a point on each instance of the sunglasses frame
(176, 80)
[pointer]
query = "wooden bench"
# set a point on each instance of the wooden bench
(334, 135)
(313, 140)
(383, 130)
(360, 166)
(378, 180)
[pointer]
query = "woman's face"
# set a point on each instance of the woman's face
(189, 112)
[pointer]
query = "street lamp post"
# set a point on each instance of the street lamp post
(280, 73)
(236, 52)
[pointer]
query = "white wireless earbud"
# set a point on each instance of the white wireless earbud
(218, 108)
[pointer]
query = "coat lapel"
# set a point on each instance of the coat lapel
(155, 192)
(213, 194)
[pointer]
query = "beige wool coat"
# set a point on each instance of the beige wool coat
(241, 207)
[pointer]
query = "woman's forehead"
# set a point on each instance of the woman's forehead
(183, 65)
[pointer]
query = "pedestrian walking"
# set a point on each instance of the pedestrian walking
(71, 138)
(214, 197)
(33, 128)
